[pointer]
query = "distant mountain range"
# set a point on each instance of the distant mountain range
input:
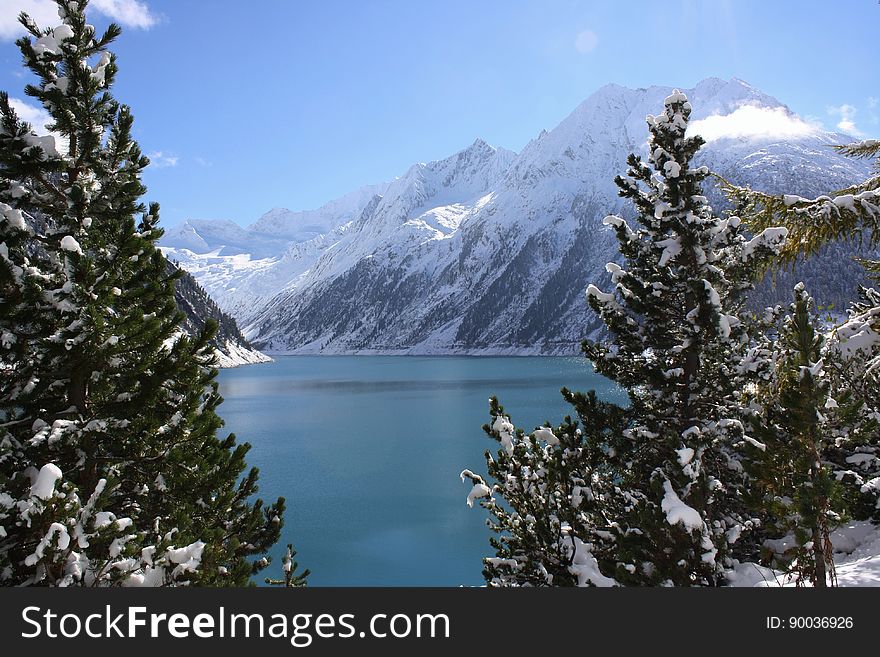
(489, 251)
(198, 308)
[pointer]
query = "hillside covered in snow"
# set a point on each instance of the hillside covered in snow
(490, 251)
(197, 307)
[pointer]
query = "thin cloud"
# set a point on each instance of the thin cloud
(753, 122)
(162, 160)
(847, 123)
(130, 13)
(586, 41)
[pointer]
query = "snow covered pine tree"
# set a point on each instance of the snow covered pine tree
(292, 579)
(661, 487)
(110, 468)
(559, 498)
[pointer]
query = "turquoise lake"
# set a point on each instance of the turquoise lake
(368, 450)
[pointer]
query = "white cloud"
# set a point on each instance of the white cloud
(586, 41)
(131, 13)
(36, 116)
(45, 12)
(753, 122)
(847, 123)
(872, 102)
(161, 160)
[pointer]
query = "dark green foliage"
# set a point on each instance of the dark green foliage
(851, 214)
(853, 369)
(553, 484)
(852, 348)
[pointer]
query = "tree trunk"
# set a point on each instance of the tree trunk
(78, 397)
(821, 577)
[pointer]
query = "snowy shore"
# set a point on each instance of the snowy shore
(234, 355)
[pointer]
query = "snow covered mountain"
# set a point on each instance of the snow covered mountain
(489, 251)
(197, 307)
(242, 267)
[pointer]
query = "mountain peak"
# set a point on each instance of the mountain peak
(479, 149)
(611, 88)
(462, 176)
(711, 85)
(714, 96)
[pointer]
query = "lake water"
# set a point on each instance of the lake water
(368, 450)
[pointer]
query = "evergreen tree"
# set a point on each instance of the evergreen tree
(110, 467)
(852, 362)
(847, 214)
(559, 498)
(677, 344)
(666, 471)
(796, 421)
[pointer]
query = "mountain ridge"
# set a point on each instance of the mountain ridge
(488, 251)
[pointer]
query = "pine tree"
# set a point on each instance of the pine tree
(665, 482)
(559, 498)
(677, 340)
(848, 214)
(111, 471)
(796, 421)
(852, 361)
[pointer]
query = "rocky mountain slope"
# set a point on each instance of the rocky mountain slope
(489, 251)
(231, 346)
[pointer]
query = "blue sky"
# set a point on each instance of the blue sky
(251, 105)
